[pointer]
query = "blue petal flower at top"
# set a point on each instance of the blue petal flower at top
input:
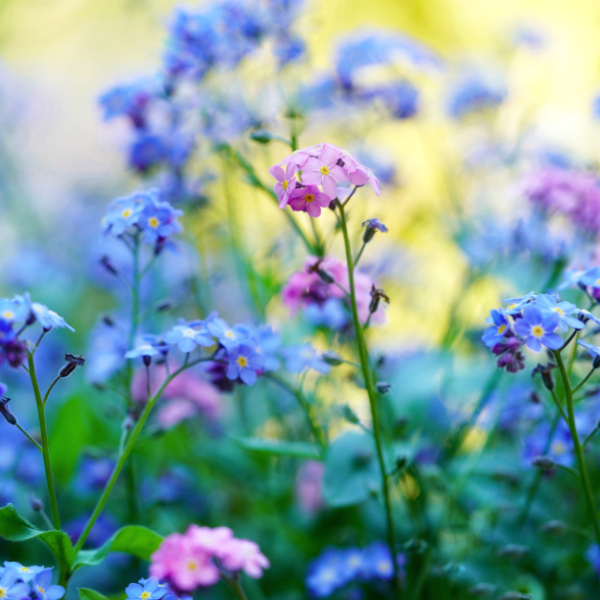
(229, 337)
(24, 573)
(10, 587)
(143, 350)
(564, 310)
(43, 590)
(591, 278)
(516, 304)
(499, 328)
(537, 329)
(147, 589)
(589, 315)
(571, 278)
(304, 356)
(244, 361)
(12, 310)
(189, 335)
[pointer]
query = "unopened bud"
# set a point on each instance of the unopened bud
(554, 526)
(108, 320)
(128, 423)
(164, 306)
(35, 503)
(596, 362)
(373, 225)
(482, 590)
(546, 372)
(6, 412)
(376, 296)
(383, 387)
(543, 462)
(350, 415)
(147, 360)
(513, 551)
(332, 358)
(73, 361)
(107, 264)
(362, 458)
(262, 136)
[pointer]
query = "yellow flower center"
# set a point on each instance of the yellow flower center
(597, 281)
(229, 334)
(285, 184)
(559, 448)
(324, 170)
(242, 361)
(502, 329)
(189, 333)
(8, 314)
(538, 331)
(511, 306)
(153, 222)
(309, 197)
(145, 595)
(126, 213)
(2, 592)
(558, 310)
(41, 590)
(192, 565)
(383, 566)
(25, 570)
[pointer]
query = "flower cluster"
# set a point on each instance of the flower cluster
(321, 289)
(575, 194)
(531, 320)
(241, 352)
(143, 213)
(201, 556)
(337, 567)
(308, 179)
(16, 314)
(18, 582)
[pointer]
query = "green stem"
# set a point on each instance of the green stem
(305, 405)
(45, 447)
(127, 449)
(421, 577)
(585, 479)
(236, 586)
(559, 406)
(360, 253)
(589, 437)
(50, 389)
(583, 381)
(29, 437)
(366, 369)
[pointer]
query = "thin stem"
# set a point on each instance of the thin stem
(236, 586)
(567, 341)
(360, 253)
(50, 389)
(348, 199)
(128, 448)
(421, 577)
(366, 369)
(304, 404)
(46, 519)
(559, 406)
(589, 437)
(45, 446)
(29, 437)
(582, 382)
(585, 479)
(39, 340)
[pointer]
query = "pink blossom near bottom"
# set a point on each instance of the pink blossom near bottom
(309, 486)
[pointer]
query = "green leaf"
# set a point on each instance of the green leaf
(280, 448)
(132, 539)
(351, 470)
(14, 528)
(87, 594)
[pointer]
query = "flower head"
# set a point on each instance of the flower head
(500, 326)
(146, 589)
(537, 328)
(564, 310)
(244, 362)
(309, 199)
(304, 356)
(189, 335)
(11, 586)
(286, 182)
(244, 555)
(43, 590)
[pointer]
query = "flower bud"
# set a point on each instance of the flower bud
(6, 412)
(383, 387)
(147, 360)
(107, 264)
(73, 361)
(376, 296)
(362, 458)
(555, 526)
(513, 551)
(543, 462)
(350, 415)
(546, 372)
(36, 504)
(108, 320)
(164, 306)
(262, 136)
(373, 226)
(332, 358)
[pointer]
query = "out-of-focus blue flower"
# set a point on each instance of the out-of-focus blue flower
(30, 468)
(42, 588)
(244, 361)
(268, 343)
(327, 573)
(331, 314)
(561, 449)
(564, 310)
(123, 212)
(499, 326)
(10, 586)
(93, 474)
(591, 278)
(147, 151)
(25, 573)
(106, 353)
(537, 329)
(8, 490)
(594, 351)
(304, 356)
(13, 310)
(189, 335)
(149, 590)
(141, 351)
(473, 91)
(129, 100)
(288, 49)
(401, 99)
(102, 530)
(378, 562)
(593, 557)
(229, 337)
(571, 277)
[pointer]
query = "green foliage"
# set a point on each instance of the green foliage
(87, 594)
(280, 448)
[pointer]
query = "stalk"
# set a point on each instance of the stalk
(366, 370)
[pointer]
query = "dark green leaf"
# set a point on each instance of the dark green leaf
(351, 470)
(132, 539)
(14, 528)
(87, 594)
(280, 448)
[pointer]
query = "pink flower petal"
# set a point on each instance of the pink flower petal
(358, 177)
(375, 183)
(330, 186)
(313, 209)
(322, 200)
(290, 170)
(329, 155)
(338, 173)
(312, 164)
(311, 177)
(277, 172)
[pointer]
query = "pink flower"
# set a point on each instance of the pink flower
(184, 564)
(286, 182)
(309, 482)
(244, 555)
(211, 540)
(309, 199)
(324, 170)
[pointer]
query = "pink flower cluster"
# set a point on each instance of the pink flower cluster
(575, 194)
(300, 174)
(200, 556)
(306, 287)
(187, 396)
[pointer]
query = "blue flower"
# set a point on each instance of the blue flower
(304, 356)
(378, 562)
(159, 220)
(327, 573)
(147, 151)
(331, 314)
(142, 351)
(499, 328)
(564, 310)
(43, 590)
(123, 213)
(593, 350)
(47, 318)
(400, 98)
(572, 277)
(472, 92)
(10, 587)
(129, 100)
(515, 305)
(591, 278)
(3, 389)
(375, 224)
(150, 589)
(229, 337)
(24, 573)
(244, 361)
(561, 449)
(12, 310)
(537, 329)
(189, 335)
(268, 343)
(593, 557)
